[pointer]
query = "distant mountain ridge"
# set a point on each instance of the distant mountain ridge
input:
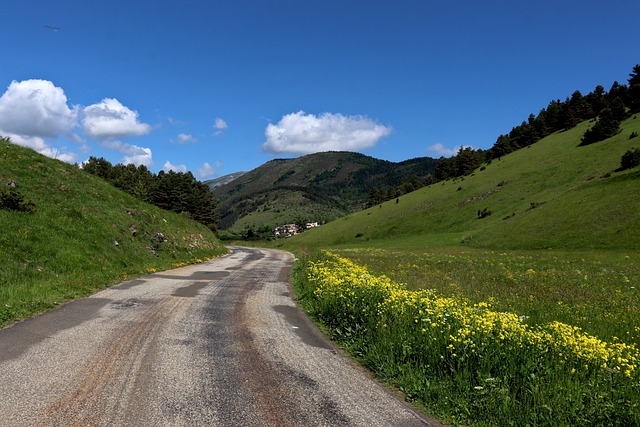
(318, 187)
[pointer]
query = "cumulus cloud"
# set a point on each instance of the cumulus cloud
(184, 138)
(206, 171)
(168, 166)
(110, 119)
(133, 154)
(35, 108)
(441, 150)
(301, 133)
(32, 110)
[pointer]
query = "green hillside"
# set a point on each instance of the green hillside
(437, 293)
(81, 235)
(318, 187)
(553, 194)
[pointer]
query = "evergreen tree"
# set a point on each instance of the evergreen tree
(467, 160)
(446, 168)
(618, 109)
(605, 127)
(99, 167)
(597, 101)
(634, 90)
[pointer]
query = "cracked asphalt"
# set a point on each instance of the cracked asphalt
(215, 344)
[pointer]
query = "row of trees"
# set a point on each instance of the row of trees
(610, 108)
(175, 191)
(379, 195)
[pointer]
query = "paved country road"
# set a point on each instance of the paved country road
(215, 344)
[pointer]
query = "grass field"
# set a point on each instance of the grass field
(597, 291)
(468, 362)
(553, 194)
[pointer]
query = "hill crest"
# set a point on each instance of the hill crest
(318, 187)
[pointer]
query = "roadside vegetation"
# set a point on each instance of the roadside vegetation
(469, 362)
(67, 234)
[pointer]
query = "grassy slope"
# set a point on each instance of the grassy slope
(65, 249)
(581, 205)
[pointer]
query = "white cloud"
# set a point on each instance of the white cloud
(300, 133)
(35, 108)
(220, 124)
(184, 138)
(133, 154)
(206, 171)
(441, 150)
(110, 119)
(32, 110)
(176, 122)
(168, 166)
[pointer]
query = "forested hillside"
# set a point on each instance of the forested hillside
(325, 186)
(608, 109)
(175, 191)
(317, 187)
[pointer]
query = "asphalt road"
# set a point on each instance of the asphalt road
(214, 344)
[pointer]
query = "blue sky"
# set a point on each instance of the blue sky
(215, 87)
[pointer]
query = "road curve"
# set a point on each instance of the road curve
(215, 344)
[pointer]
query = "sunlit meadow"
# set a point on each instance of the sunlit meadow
(471, 361)
(599, 292)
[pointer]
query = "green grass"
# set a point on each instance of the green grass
(597, 291)
(66, 247)
(574, 188)
(469, 363)
(561, 245)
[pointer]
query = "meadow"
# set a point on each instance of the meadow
(596, 291)
(470, 363)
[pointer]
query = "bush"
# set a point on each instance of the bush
(13, 200)
(483, 213)
(630, 159)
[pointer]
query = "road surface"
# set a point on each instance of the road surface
(215, 344)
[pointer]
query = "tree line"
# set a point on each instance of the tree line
(175, 191)
(607, 108)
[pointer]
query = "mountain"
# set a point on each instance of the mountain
(67, 233)
(553, 194)
(223, 180)
(316, 187)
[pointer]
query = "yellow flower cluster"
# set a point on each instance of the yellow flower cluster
(459, 329)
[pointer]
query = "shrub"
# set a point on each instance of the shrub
(630, 159)
(15, 201)
(483, 213)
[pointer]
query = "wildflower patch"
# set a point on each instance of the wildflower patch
(491, 363)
